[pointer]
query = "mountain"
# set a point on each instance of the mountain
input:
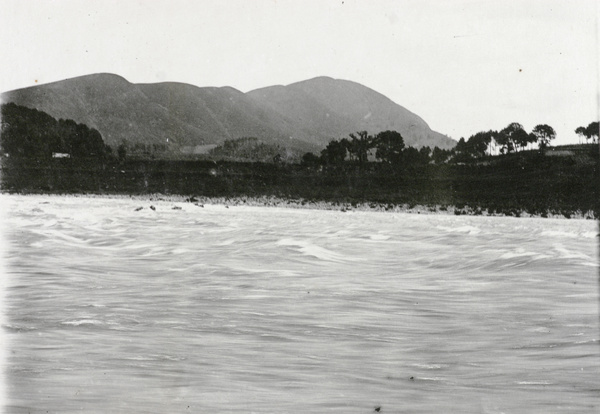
(335, 108)
(303, 116)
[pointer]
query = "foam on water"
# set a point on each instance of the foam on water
(79, 322)
(313, 250)
(461, 229)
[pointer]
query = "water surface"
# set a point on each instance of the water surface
(243, 309)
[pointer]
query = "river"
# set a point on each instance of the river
(236, 309)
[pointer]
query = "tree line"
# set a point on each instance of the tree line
(512, 138)
(389, 147)
(26, 132)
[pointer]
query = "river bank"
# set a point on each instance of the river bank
(531, 186)
(178, 202)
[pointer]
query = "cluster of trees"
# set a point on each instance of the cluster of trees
(387, 147)
(589, 132)
(26, 132)
(510, 139)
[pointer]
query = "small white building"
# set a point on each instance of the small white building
(61, 155)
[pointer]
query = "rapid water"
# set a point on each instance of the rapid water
(267, 310)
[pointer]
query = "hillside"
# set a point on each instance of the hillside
(339, 107)
(217, 114)
(108, 103)
(303, 116)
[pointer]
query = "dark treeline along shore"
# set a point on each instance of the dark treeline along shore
(43, 155)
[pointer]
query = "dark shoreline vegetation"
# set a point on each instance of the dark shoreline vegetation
(553, 186)
(545, 182)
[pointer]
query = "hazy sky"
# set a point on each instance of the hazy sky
(462, 65)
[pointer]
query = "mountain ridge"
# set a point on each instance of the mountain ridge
(304, 115)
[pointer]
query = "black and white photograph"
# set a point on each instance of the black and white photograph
(299, 206)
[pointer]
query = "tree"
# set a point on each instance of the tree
(462, 151)
(511, 136)
(439, 155)
(521, 138)
(592, 131)
(581, 132)
(389, 147)
(478, 144)
(504, 143)
(360, 146)
(411, 156)
(589, 132)
(310, 160)
(334, 153)
(425, 153)
(461, 145)
(543, 134)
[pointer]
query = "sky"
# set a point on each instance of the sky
(464, 66)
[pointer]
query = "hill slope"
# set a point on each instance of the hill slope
(338, 107)
(118, 109)
(304, 115)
